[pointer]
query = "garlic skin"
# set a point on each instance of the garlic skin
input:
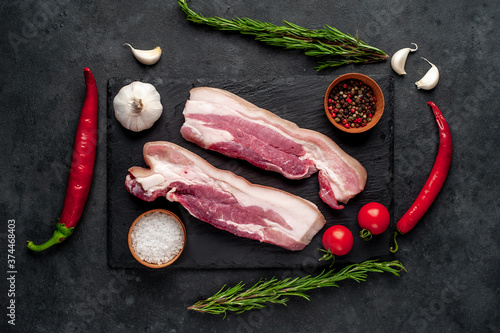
(137, 106)
(398, 60)
(146, 57)
(430, 79)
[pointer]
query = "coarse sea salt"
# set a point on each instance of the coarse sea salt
(157, 238)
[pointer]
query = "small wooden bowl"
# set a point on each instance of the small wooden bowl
(153, 265)
(377, 92)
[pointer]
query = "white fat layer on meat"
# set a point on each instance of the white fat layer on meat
(204, 108)
(209, 135)
(300, 214)
(250, 228)
(305, 237)
(327, 156)
(208, 95)
(156, 180)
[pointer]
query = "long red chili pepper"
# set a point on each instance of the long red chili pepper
(434, 182)
(82, 168)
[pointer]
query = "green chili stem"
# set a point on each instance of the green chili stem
(59, 235)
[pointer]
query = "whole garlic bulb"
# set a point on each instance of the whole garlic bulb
(137, 106)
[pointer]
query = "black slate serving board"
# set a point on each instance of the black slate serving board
(298, 99)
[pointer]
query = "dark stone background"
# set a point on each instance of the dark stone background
(451, 256)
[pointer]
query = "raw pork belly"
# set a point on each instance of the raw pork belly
(218, 120)
(223, 199)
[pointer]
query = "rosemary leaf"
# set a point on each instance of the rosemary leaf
(326, 42)
(275, 291)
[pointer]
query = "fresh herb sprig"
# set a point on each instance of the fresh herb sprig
(236, 299)
(344, 48)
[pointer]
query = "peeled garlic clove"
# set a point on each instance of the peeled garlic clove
(137, 106)
(398, 60)
(147, 57)
(430, 79)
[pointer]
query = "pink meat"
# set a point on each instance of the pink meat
(223, 199)
(218, 120)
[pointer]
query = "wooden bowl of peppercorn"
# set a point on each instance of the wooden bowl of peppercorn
(354, 103)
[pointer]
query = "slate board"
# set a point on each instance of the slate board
(298, 99)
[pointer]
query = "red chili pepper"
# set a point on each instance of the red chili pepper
(434, 182)
(82, 168)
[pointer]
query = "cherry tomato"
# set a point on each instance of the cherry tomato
(338, 239)
(374, 217)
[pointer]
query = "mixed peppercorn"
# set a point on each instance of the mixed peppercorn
(352, 103)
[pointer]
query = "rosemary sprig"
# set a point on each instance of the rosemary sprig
(316, 43)
(236, 299)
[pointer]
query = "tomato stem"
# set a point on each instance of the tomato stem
(365, 234)
(395, 248)
(327, 256)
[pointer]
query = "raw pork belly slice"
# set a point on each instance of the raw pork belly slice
(218, 120)
(221, 198)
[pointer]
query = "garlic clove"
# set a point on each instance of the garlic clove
(146, 57)
(398, 60)
(430, 79)
(137, 106)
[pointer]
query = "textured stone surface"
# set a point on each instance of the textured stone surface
(451, 256)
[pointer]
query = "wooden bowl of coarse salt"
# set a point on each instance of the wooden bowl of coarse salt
(157, 238)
